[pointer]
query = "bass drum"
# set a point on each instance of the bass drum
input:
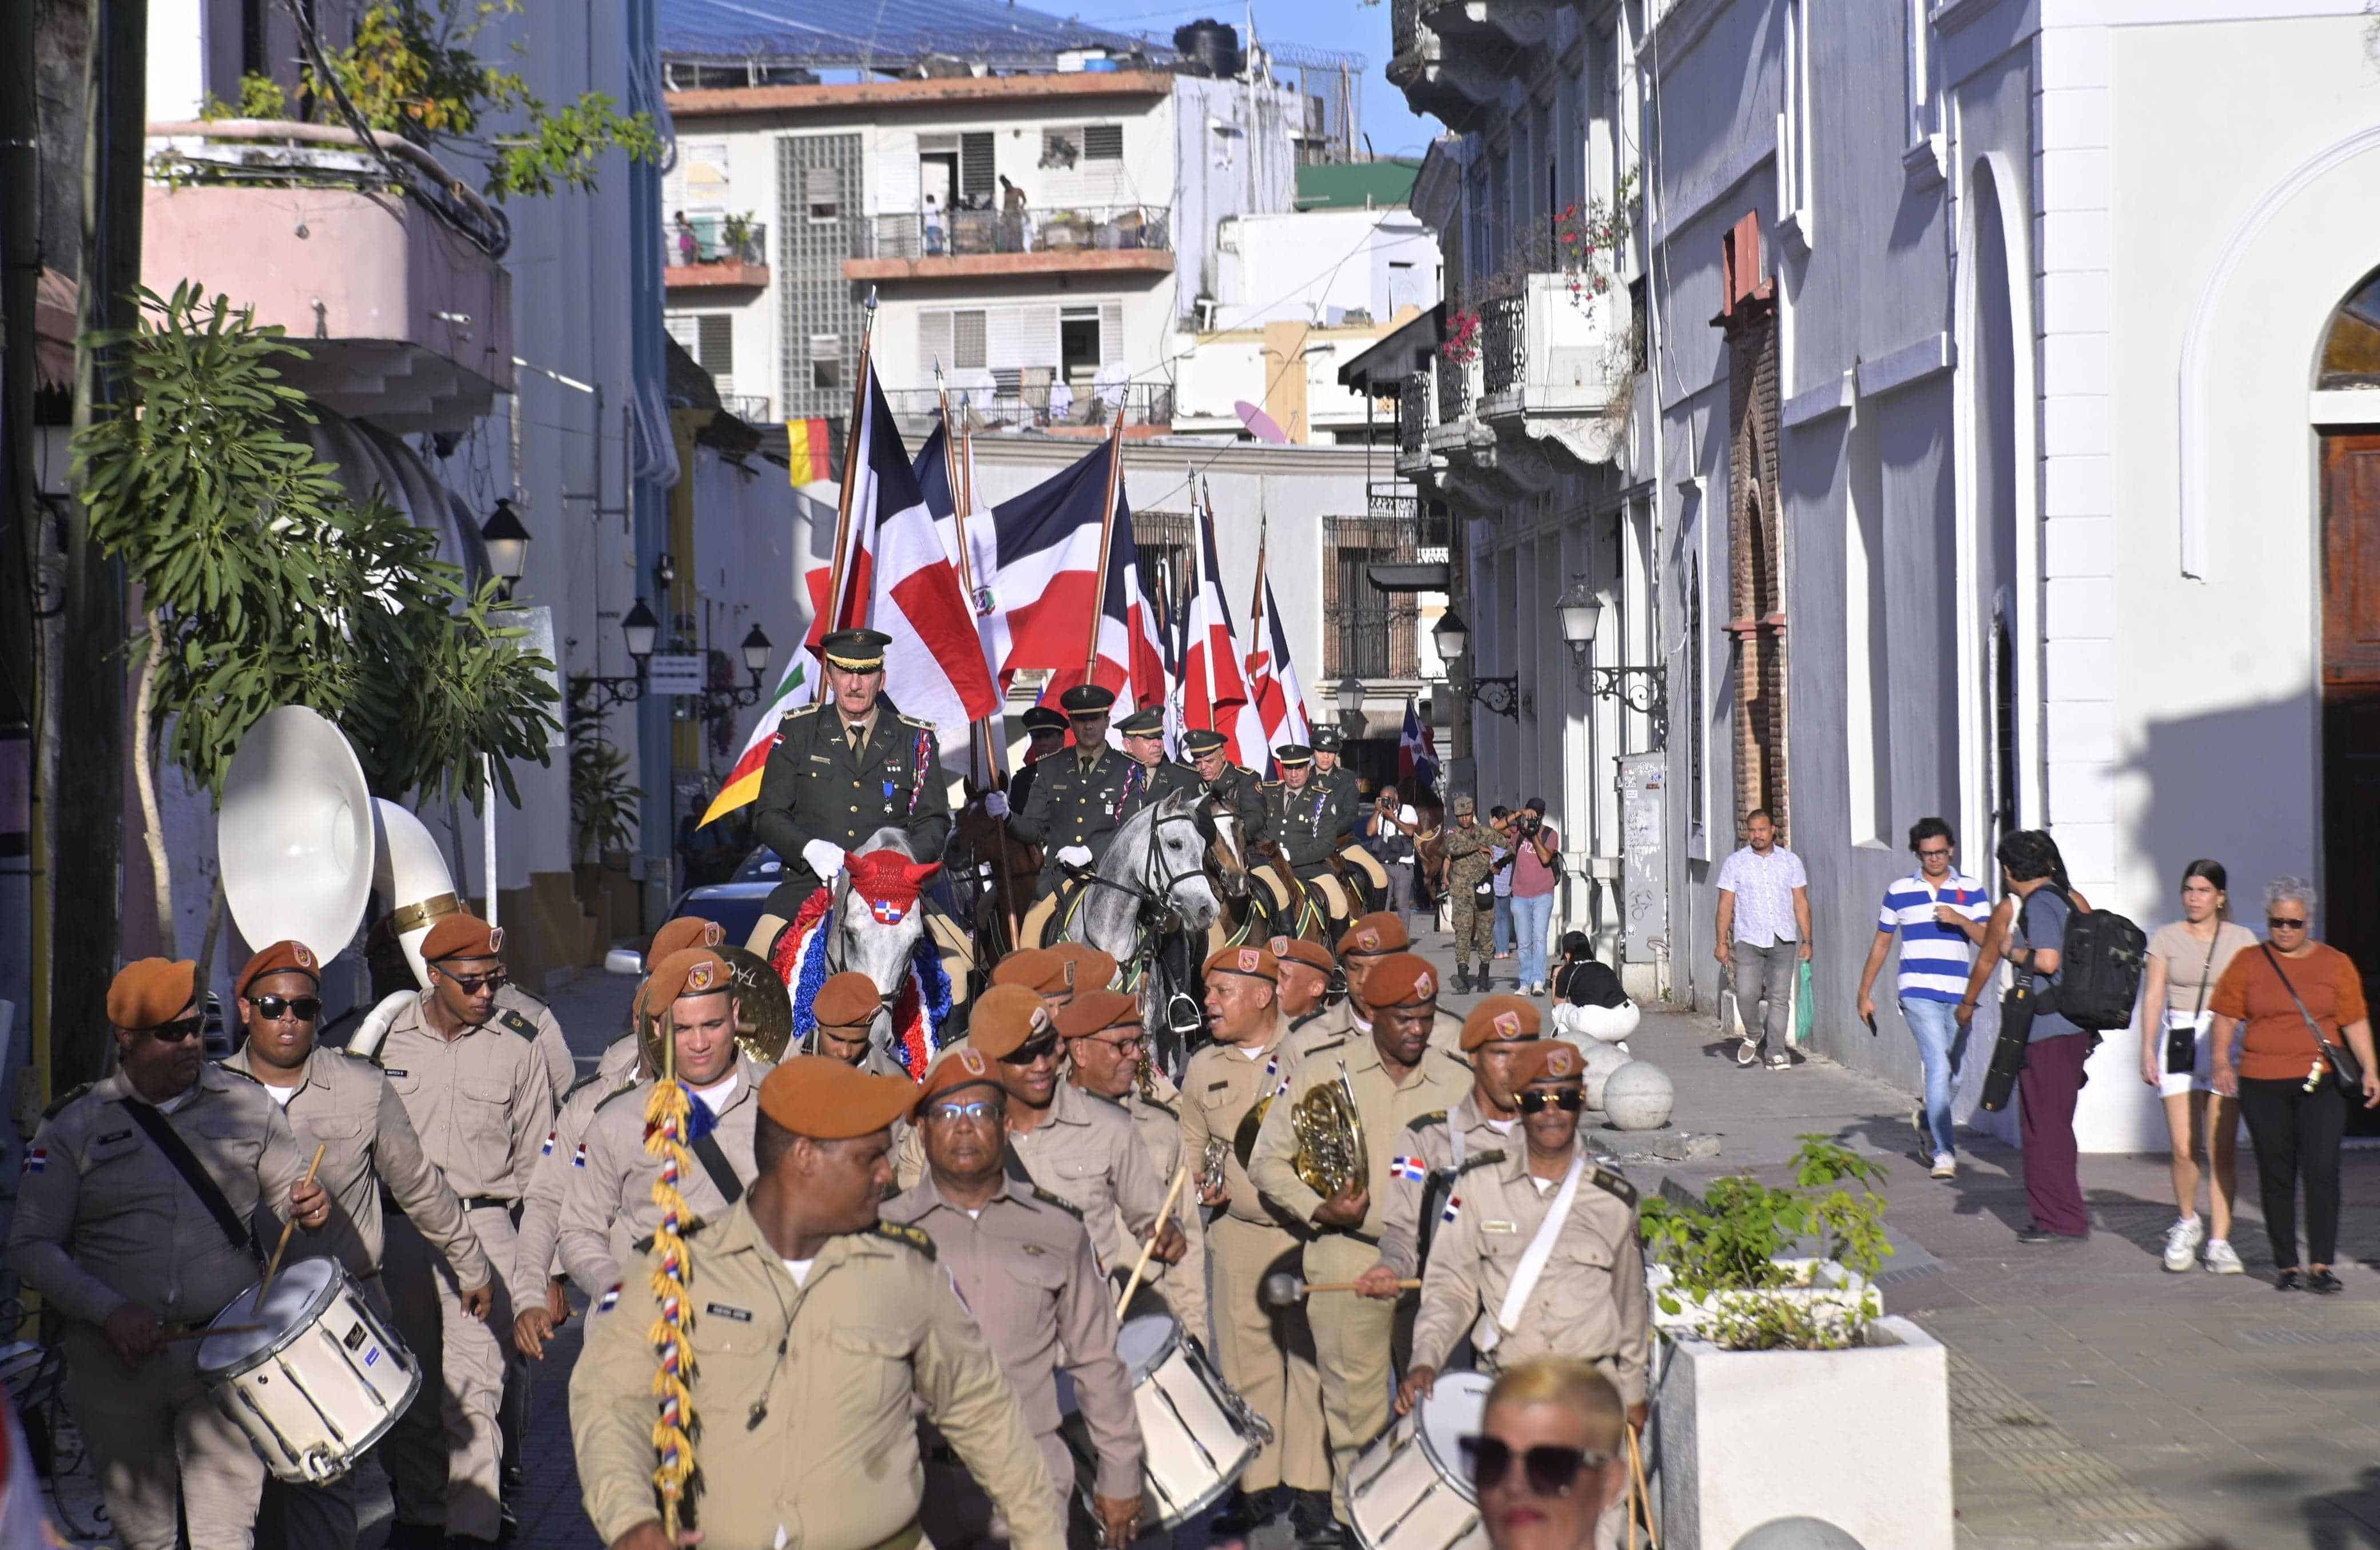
(314, 1376)
(1408, 1491)
(1198, 1435)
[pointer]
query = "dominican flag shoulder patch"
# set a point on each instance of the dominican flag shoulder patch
(37, 1159)
(1407, 1168)
(1453, 1208)
(610, 1300)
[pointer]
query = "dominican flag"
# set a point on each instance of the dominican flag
(1046, 546)
(1416, 754)
(946, 476)
(1273, 687)
(1215, 693)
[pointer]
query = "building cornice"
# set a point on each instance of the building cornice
(829, 96)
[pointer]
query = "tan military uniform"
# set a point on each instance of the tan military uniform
(1089, 1154)
(608, 1215)
(560, 1158)
(1184, 1283)
(1340, 1022)
(104, 1219)
(1023, 1268)
(1352, 1334)
(482, 1105)
(1589, 1303)
(1462, 1137)
(520, 1013)
(807, 1395)
(618, 1062)
(1266, 1354)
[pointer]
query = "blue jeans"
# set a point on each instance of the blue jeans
(1532, 918)
(1503, 923)
(1942, 1045)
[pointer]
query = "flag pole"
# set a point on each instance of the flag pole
(958, 461)
(1107, 544)
(1202, 506)
(850, 470)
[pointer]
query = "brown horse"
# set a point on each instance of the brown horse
(1002, 868)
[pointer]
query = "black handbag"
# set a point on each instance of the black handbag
(2009, 1051)
(2181, 1044)
(2345, 1068)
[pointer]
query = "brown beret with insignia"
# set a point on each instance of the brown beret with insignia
(1373, 934)
(684, 931)
(846, 1000)
(1501, 1018)
(281, 957)
(1256, 962)
(462, 935)
(1550, 1060)
(1402, 979)
(1035, 968)
(694, 971)
(1006, 1018)
(964, 1067)
(152, 992)
(1095, 1011)
(1092, 970)
(1298, 950)
(824, 1099)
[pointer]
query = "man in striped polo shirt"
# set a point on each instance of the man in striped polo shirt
(1935, 958)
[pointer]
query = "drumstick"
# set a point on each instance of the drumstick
(1640, 1490)
(1409, 1284)
(226, 1329)
(286, 1228)
(1164, 1214)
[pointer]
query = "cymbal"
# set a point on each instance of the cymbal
(764, 1023)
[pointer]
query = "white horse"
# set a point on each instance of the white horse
(1151, 883)
(876, 924)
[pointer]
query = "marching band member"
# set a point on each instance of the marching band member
(608, 1215)
(1306, 971)
(845, 1009)
(1073, 806)
(818, 1329)
(1105, 1057)
(346, 1106)
(1395, 1076)
(843, 768)
(1372, 939)
(560, 1158)
(1022, 1265)
(482, 1103)
(1266, 1353)
(624, 1056)
(134, 1219)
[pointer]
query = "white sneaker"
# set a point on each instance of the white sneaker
(2222, 1259)
(1746, 1052)
(2182, 1241)
(1945, 1165)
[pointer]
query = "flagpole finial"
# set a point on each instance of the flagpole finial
(871, 298)
(938, 370)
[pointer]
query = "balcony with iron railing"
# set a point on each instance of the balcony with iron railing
(1033, 395)
(954, 244)
(724, 251)
(1413, 423)
(1555, 364)
(1451, 59)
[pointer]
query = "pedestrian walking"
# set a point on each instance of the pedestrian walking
(2300, 999)
(1536, 866)
(2034, 874)
(1763, 935)
(2186, 959)
(1470, 863)
(1499, 821)
(1932, 910)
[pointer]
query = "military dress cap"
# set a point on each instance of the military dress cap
(954, 1068)
(857, 651)
(1503, 1018)
(1466, 803)
(152, 992)
(1033, 968)
(682, 932)
(1293, 755)
(1041, 718)
(1402, 979)
(281, 957)
(1297, 949)
(1255, 962)
(1095, 1011)
(1143, 723)
(821, 1097)
(1006, 1018)
(1326, 740)
(846, 1000)
(1085, 967)
(1379, 932)
(1202, 742)
(1550, 1060)
(1088, 699)
(462, 935)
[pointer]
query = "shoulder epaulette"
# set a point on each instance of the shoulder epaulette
(1421, 1122)
(1116, 1104)
(1162, 1106)
(1062, 1203)
(1480, 1159)
(586, 1081)
(901, 1232)
(64, 1098)
(916, 722)
(517, 1023)
(1604, 1178)
(530, 996)
(1268, 785)
(618, 1096)
(1325, 1046)
(235, 1070)
(809, 709)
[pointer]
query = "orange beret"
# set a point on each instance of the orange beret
(1257, 962)
(1500, 1017)
(694, 971)
(1006, 1018)
(1094, 1009)
(846, 1000)
(1381, 931)
(1036, 968)
(462, 935)
(281, 957)
(1093, 969)
(1549, 1059)
(152, 992)
(824, 1099)
(1400, 979)
(953, 1068)
(1298, 950)
(683, 932)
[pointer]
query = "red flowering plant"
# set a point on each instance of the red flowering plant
(1587, 238)
(1461, 343)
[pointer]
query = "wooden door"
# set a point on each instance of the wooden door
(2351, 708)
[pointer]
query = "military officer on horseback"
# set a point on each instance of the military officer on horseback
(1329, 771)
(1236, 787)
(1150, 778)
(1076, 799)
(842, 769)
(1045, 732)
(1301, 813)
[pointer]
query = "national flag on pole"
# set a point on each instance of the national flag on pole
(943, 475)
(1417, 751)
(1046, 551)
(1272, 675)
(810, 450)
(1214, 689)
(743, 783)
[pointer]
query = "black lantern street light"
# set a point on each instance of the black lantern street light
(595, 693)
(720, 704)
(507, 541)
(1453, 637)
(1350, 706)
(1642, 689)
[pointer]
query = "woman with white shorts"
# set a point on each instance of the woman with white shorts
(2176, 1057)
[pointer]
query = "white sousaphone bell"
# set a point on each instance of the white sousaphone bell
(412, 874)
(295, 834)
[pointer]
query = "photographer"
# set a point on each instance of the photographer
(1537, 867)
(1499, 822)
(1389, 831)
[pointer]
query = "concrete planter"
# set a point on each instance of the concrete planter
(1824, 1284)
(1858, 1438)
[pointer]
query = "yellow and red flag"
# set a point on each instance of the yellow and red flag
(743, 783)
(810, 450)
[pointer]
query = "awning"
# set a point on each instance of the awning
(1428, 577)
(1400, 354)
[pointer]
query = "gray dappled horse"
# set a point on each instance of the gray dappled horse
(1151, 883)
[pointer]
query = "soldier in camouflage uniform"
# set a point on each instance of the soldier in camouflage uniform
(1470, 863)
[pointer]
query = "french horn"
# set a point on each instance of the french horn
(1330, 1153)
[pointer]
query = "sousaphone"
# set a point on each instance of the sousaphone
(295, 834)
(410, 872)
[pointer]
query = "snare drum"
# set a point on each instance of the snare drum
(1408, 1489)
(321, 1383)
(1197, 1436)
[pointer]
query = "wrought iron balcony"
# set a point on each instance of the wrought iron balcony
(1503, 341)
(1034, 397)
(1554, 361)
(951, 243)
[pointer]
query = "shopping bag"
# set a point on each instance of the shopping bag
(1804, 1005)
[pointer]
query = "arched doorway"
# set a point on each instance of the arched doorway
(1998, 763)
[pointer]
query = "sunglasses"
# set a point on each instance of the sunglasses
(2283, 923)
(272, 1008)
(174, 1033)
(1569, 1100)
(471, 985)
(1551, 1470)
(952, 1113)
(1031, 1052)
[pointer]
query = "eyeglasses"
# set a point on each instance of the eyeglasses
(1128, 1045)
(174, 1033)
(272, 1008)
(1551, 1470)
(471, 985)
(952, 1113)
(1031, 1052)
(1569, 1100)
(2283, 923)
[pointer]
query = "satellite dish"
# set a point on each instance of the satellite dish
(1260, 425)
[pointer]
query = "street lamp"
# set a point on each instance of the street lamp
(1642, 689)
(1501, 696)
(1580, 610)
(758, 648)
(1452, 635)
(1351, 705)
(507, 542)
(719, 704)
(601, 693)
(640, 627)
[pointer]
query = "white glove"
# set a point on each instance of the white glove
(996, 804)
(825, 858)
(1074, 855)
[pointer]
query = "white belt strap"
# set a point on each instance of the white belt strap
(1533, 1258)
(1454, 1142)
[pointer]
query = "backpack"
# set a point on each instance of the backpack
(2099, 965)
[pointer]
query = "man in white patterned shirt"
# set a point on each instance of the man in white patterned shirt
(1924, 910)
(1763, 936)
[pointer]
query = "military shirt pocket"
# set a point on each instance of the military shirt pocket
(1578, 1279)
(405, 1082)
(478, 1090)
(332, 1127)
(871, 1366)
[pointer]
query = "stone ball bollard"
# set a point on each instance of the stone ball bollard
(1797, 1534)
(1639, 1095)
(1602, 1060)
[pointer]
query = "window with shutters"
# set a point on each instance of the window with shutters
(1370, 632)
(826, 361)
(715, 342)
(822, 193)
(967, 341)
(1166, 570)
(933, 344)
(1102, 142)
(975, 170)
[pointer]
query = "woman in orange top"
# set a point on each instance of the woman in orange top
(2287, 1093)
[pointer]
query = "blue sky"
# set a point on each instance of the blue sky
(1344, 25)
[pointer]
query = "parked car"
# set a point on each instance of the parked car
(736, 905)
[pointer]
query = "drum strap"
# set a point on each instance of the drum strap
(193, 1172)
(714, 1162)
(1535, 1258)
(1015, 1165)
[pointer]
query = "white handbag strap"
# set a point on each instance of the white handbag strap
(1533, 1258)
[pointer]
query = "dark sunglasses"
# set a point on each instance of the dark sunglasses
(272, 1008)
(1569, 1100)
(2283, 923)
(1029, 1053)
(1551, 1470)
(470, 985)
(174, 1033)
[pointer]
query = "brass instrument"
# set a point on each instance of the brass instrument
(1330, 1153)
(764, 1012)
(1210, 1169)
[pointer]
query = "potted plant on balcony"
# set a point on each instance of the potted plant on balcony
(736, 234)
(1783, 1390)
(1460, 346)
(1587, 238)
